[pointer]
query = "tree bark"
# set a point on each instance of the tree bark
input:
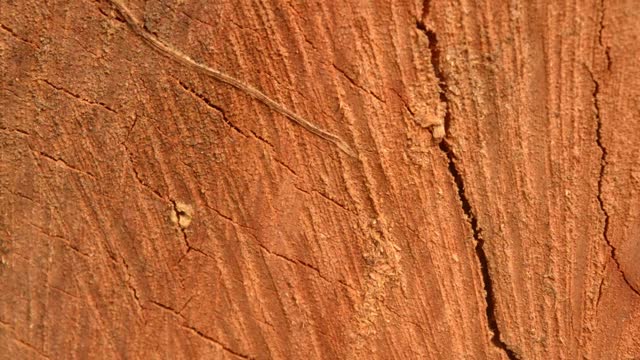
(196, 179)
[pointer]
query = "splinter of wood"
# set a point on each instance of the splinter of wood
(167, 50)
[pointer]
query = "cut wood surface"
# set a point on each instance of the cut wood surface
(193, 179)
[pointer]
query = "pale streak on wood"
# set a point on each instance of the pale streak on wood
(176, 55)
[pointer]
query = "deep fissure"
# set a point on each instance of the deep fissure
(447, 148)
(490, 298)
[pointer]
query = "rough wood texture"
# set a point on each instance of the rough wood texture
(440, 180)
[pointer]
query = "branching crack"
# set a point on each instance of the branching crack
(600, 289)
(166, 308)
(273, 148)
(129, 283)
(284, 165)
(334, 201)
(210, 104)
(64, 240)
(307, 265)
(230, 219)
(20, 132)
(354, 83)
(24, 343)
(404, 102)
(182, 215)
(15, 35)
(600, 196)
(74, 95)
(293, 261)
(326, 197)
(261, 138)
(182, 219)
(215, 342)
(136, 175)
(447, 148)
(17, 193)
(60, 161)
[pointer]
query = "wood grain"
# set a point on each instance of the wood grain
(485, 207)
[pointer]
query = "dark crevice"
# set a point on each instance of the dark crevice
(490, 297)
(261, 138)
(167, 308)
(603, 165)
(447, 148)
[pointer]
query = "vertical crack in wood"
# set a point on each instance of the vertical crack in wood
(603, 165)
(607, 49)
(447, 148)
(603, 152)
(490, 297)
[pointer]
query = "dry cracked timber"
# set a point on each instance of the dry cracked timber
(439, 180)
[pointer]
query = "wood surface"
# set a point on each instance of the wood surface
(194, 179)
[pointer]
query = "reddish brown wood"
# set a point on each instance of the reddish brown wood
(440, 180)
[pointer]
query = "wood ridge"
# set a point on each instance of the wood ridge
(176, 55)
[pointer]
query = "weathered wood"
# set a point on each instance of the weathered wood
(199, 179)
(533, 127)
